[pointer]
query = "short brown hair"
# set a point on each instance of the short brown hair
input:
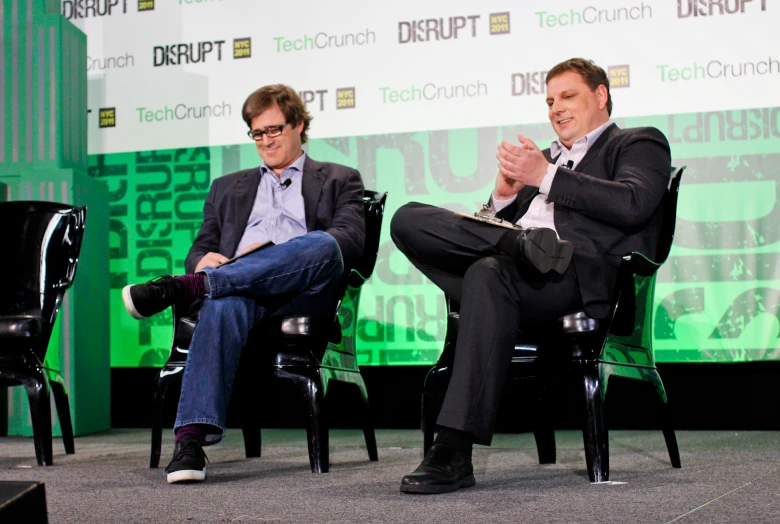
(592, 74)
(290, 104)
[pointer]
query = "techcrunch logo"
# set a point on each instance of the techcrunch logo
(111, 62)
(324, 41)
(594, 15)
(688, 8)
(431, 91)
(182, 112)
(452, 27)
(715, 69)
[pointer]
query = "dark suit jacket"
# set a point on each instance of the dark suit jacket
(332, 201)
(608, 207)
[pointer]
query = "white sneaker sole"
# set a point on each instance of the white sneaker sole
(186, 475)
(129, 304)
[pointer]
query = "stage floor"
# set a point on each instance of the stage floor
(727, 476)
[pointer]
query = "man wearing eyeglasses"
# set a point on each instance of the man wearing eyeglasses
(311, 211)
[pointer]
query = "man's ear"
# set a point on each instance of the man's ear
(603, 96)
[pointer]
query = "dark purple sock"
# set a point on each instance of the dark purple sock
(192, 286)
(192, 430)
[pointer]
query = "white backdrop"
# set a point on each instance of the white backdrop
(643, 35)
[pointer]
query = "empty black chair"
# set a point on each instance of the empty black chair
(591, 349)
(309, 351)
(43, 241)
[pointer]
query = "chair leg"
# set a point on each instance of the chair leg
(544, 432)
(161, 384)
(317, 428)
(431, 406)
(40, 412)
(253, 443)
(368, 425)
(594, 432)
(63, 414)
(666, 421)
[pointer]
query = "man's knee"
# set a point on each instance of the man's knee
(326, 245)
(406, 220)
(487, 269)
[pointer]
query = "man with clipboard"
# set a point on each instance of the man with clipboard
(578, 207)
(274, 240)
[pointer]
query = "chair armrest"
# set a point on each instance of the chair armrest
(639, 264)
(355, 279)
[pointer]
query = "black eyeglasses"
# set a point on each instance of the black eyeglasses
(271, 131)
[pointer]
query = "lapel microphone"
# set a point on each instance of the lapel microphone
(286, 183)
(569, 164)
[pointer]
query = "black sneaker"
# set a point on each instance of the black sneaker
(188, 463)
(144, 300)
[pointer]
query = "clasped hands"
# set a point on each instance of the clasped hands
(519, 166)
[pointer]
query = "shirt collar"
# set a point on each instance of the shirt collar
(297, 165)
(556, 148)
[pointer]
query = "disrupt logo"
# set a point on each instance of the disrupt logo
(242, 48)
(499, 23)
(192, 53)
(594, 15)
(145, 5)
(345, 97)
(74, 9)
(619, 76)
(107, 117)
(531, 83)
(688, 8)
(450, 28)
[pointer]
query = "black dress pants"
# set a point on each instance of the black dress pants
(497, 295)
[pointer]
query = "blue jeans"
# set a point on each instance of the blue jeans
(299, 276)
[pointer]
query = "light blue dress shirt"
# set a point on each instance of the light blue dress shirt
(278, 213)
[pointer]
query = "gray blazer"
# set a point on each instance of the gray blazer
(332, 200)
(608, 207)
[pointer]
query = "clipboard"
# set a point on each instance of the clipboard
(488, 216)
(250, 251)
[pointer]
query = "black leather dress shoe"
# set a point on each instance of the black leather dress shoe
(443, 470)
(544, 251)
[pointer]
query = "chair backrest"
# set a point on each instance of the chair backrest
(632, 322)
(374, 209)
(43, 241)
(669, 215)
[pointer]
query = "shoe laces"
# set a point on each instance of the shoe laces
(190, 447)
(164, 288)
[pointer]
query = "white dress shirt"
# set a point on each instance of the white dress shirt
(540, 212)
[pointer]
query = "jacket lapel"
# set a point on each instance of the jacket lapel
(312, 182)
(244, 192)
(594, 150)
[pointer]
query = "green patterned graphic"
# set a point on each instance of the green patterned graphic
(716, 299)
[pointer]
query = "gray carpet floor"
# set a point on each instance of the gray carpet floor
(726, 477)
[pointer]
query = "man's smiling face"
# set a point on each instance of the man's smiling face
(574, 108)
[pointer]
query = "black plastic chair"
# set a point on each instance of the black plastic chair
(591, 349)
(311, 353)
(44, 240)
